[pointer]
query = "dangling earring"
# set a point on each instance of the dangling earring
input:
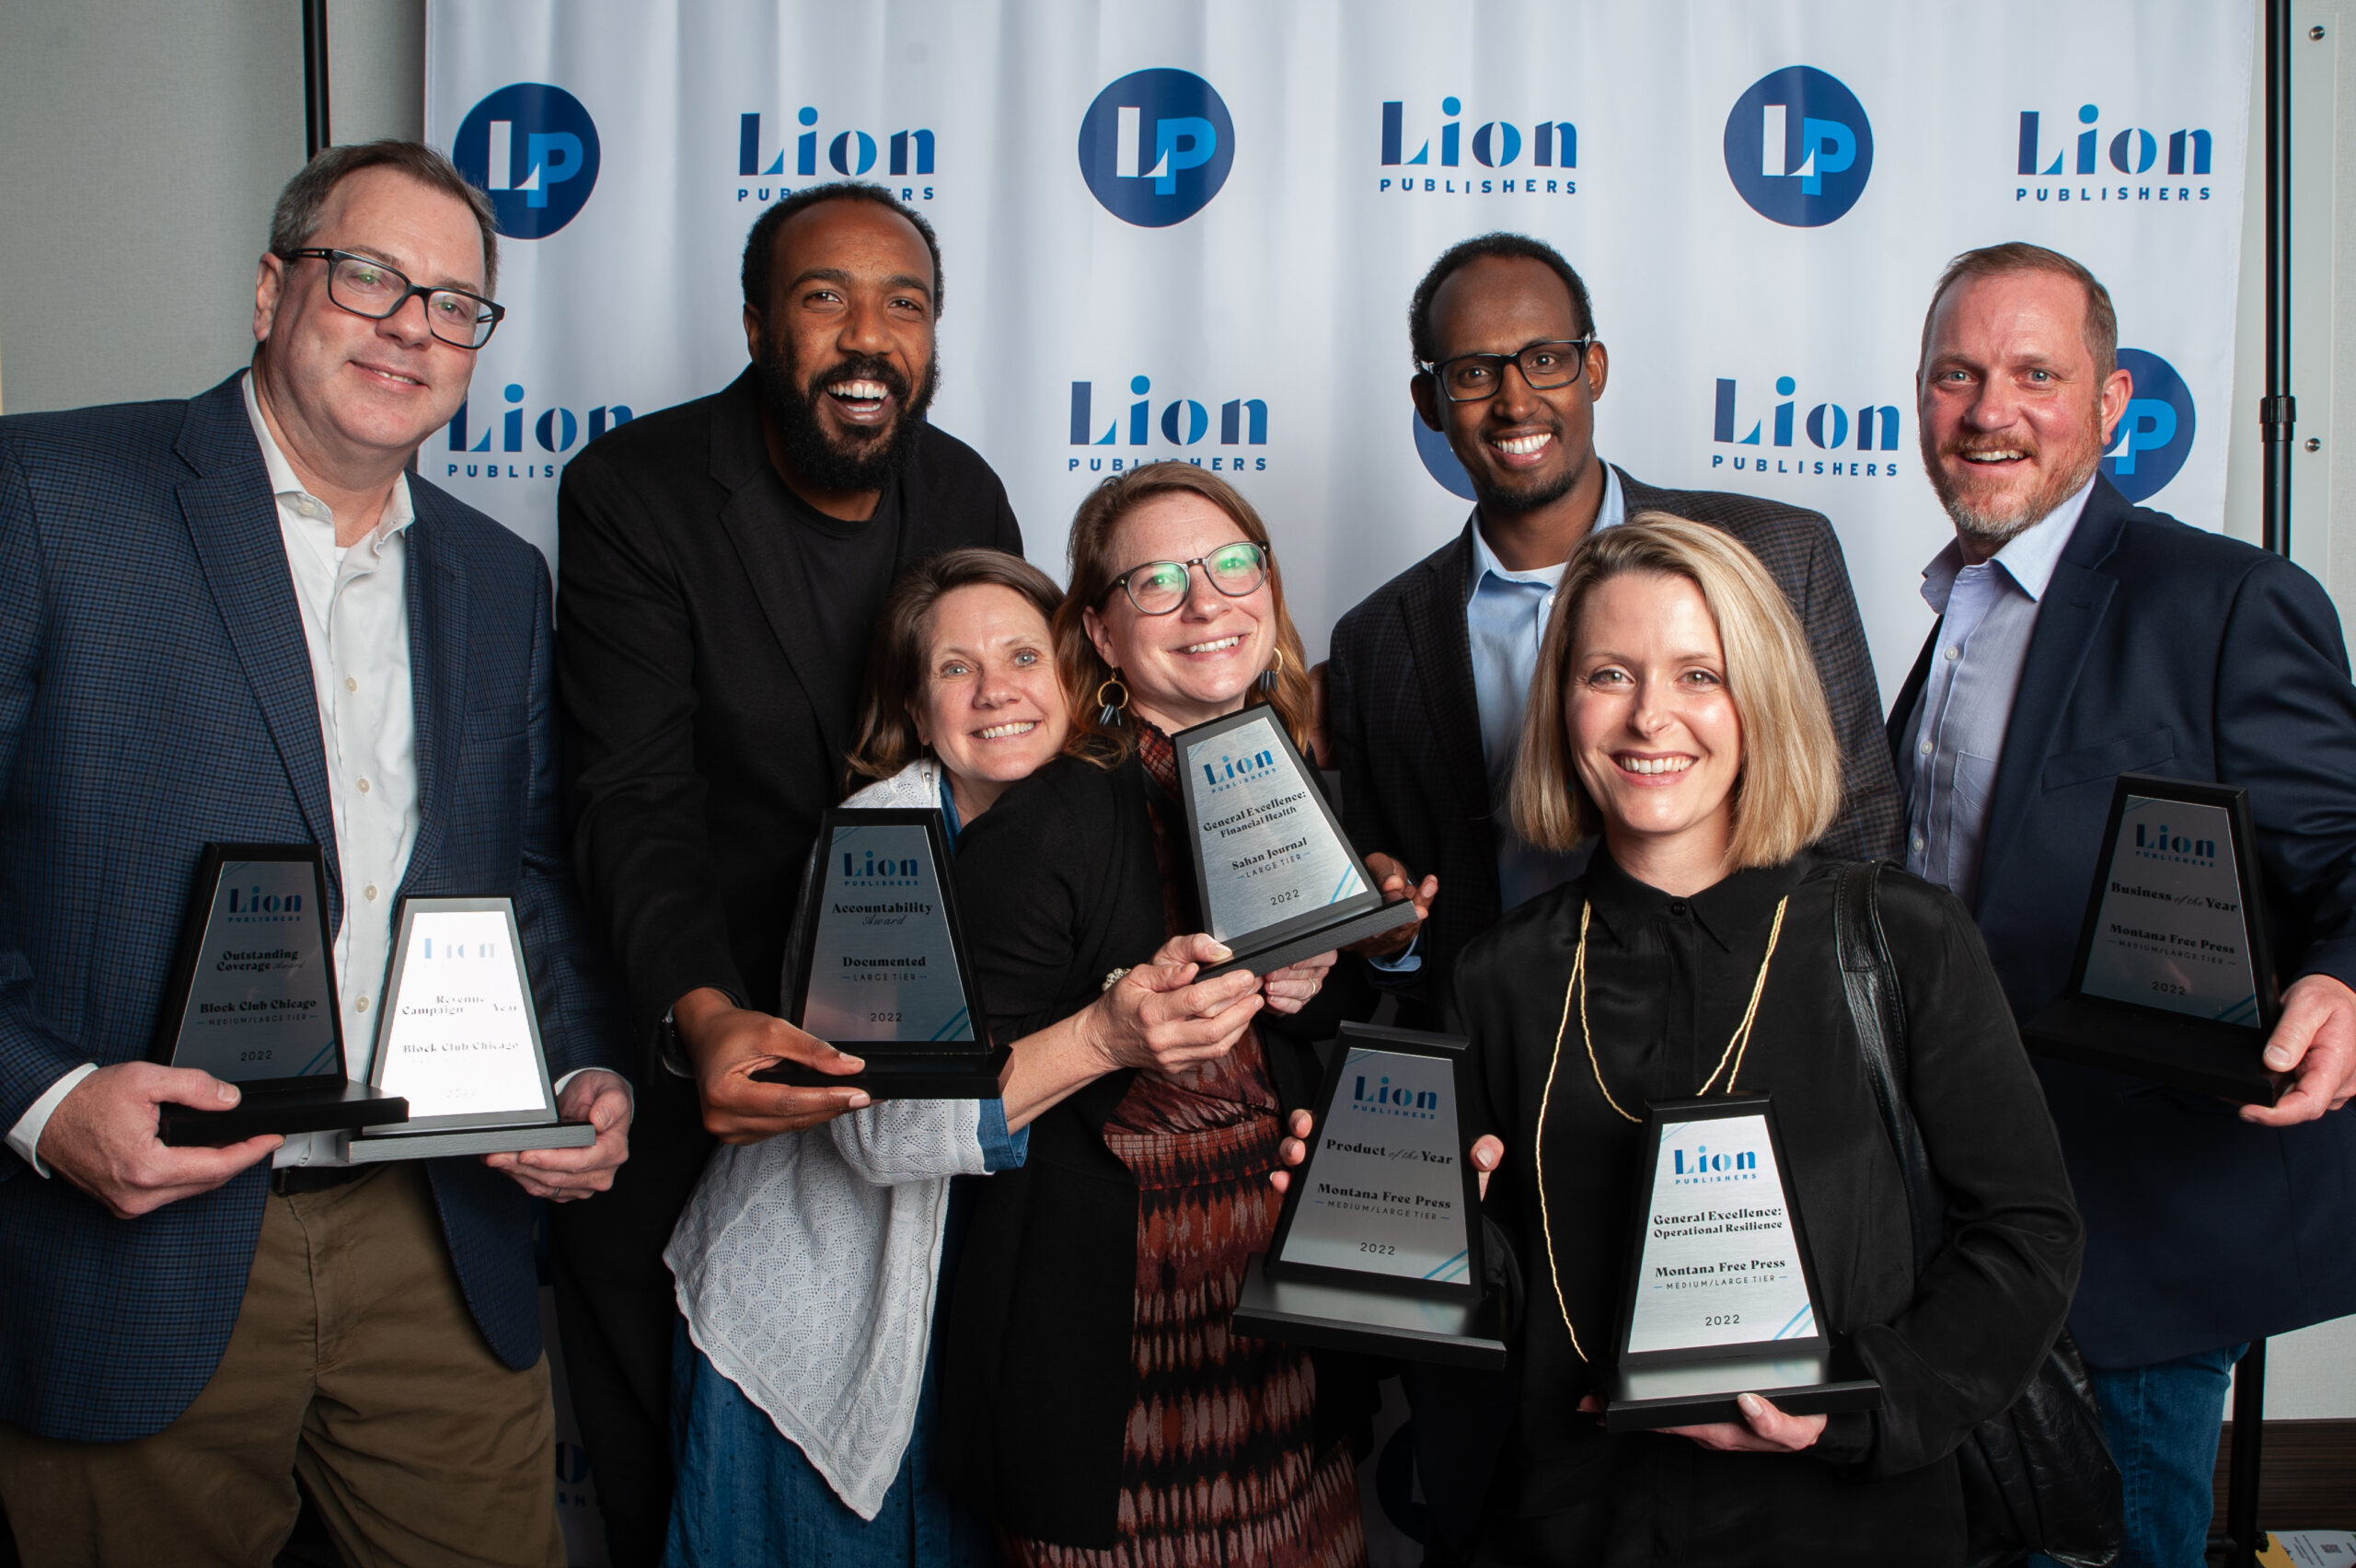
(1108, 712)
(1268, 677)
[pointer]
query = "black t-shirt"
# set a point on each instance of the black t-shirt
(850, 567)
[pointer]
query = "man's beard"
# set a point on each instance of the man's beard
(1534, 494)
(1996, 521)
(822, 462)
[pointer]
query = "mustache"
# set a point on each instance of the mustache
(860, 367)
(1969, 446)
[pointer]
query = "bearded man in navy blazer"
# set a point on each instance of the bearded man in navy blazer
(236, 619)
(2081, 637)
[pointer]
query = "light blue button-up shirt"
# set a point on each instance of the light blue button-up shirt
(1506, 616)
(1988, 612)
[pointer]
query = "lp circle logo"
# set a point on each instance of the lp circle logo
(2154, 435)
(533, 148)
(1798, 147)
(1156, 146)
(1439, 459)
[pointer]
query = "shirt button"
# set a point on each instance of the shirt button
(364, 786)
(370, 891)
(1954, 653)
(351, 685)
(1677, 906)
(1924, 748)
(1918, 842)
(359, 1006)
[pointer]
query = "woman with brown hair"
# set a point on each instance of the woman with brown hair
(811, 1265)
(1097, 1406)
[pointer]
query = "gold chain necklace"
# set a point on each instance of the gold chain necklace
(1576, 992)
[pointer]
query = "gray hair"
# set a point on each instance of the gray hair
(305, 196)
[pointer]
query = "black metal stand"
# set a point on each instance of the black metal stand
(2277, 415)
(315, 78)
(2238, 1543)
(2278, 410)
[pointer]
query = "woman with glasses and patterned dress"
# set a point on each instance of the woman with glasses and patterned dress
(812, 1265)
(1676, 710)
(1097, 1407)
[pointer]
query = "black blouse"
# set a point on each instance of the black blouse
(1669, 980)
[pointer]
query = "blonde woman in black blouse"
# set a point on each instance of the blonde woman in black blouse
(1677, 714)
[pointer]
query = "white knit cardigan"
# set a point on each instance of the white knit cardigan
(809, 1263)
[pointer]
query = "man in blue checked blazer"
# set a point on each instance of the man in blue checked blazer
(237, 619)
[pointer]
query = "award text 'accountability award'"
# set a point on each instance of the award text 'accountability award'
(876, 964)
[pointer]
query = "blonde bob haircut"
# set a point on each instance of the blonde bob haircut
(1788, 788)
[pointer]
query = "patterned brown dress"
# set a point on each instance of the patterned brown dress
(1218, 1463)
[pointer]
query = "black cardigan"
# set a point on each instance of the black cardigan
(1668, 979)
(1058, 885)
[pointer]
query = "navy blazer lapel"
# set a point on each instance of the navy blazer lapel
(1433, 606)
(436, 593)
(1894, 727)
(740, 461)
(2076, 601)
(233, 519)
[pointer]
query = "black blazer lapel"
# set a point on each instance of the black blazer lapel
(741, 463)
(233, 519)
(2075, 600)
(436, 595)
(1433, 607)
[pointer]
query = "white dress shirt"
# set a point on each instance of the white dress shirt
(1987, 614)
(355, 622)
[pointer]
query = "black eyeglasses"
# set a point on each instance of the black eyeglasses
(1474, 378)
(369, 288)
(1158, 587)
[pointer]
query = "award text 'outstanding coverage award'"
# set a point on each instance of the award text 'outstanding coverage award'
(252, 1001)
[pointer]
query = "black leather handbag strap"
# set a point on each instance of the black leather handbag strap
(2037, 1476)
(1876, 1004)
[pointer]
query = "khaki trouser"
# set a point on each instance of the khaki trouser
(355, 1365)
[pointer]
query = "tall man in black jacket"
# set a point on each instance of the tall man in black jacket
(719, 565)
(1429, 676)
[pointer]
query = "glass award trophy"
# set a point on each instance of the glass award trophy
(2173, 981)
(876, 964)
(1721, 1298)
(458, 1039)
(1378, 1248)
(1278, 880)
(252, 1001)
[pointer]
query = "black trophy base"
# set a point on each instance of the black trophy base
(333, 1108)
(1376, 1322)
(902, 1075)
(1309, 944)
(374, 1148)
(1695, 1393)
(2198, 1054)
